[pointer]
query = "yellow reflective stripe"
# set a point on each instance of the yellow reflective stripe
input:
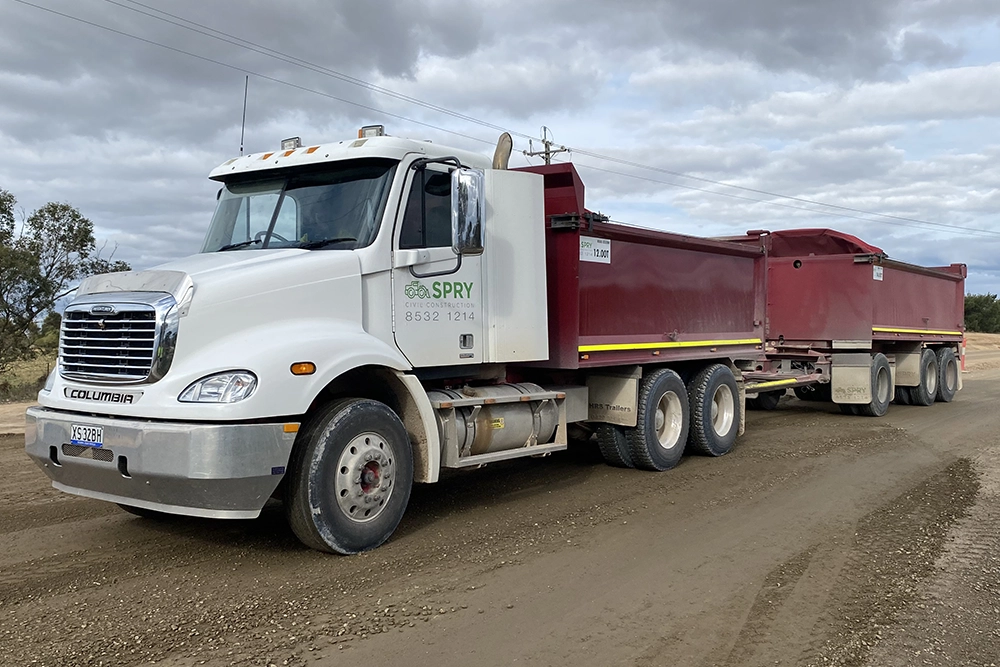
(662, 345)
(771, 383)
(916, 331)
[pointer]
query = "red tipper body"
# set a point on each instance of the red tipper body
(824, 286)
(658, 297)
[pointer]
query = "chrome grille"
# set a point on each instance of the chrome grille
(118, 346)
(114, 341)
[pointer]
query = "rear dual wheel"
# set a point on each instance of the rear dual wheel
(613, 444)
(765, 400)
(813, 392)
(926, 392)
(657, 440)
(715, 411)
(948, 371)
(881, 390)
(938, 379)
(703, 415)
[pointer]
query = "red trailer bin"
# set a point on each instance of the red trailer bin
(831, 290)
(622, 295)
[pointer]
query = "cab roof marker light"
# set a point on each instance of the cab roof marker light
(311, 150)
(287, 153)
(266, 155)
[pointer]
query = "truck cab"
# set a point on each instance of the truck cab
(346, 271)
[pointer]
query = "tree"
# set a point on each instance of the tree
(52, 250)
(982, 313)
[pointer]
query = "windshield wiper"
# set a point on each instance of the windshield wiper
(322, 243)
(238, 245)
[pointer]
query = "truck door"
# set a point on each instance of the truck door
(437, 295)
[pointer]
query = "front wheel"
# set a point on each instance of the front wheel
(350, 478)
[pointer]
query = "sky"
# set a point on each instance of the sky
(877, 118)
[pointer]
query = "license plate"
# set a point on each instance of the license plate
(87, 436)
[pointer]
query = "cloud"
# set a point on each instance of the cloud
(883, 106)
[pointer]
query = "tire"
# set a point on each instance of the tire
(902, 396)
(657, 440)
(926, 391)
(765, 400)
(814, 392)
(948, 371)
(715, 411)
(881, 385)
(614, 446)
(154, 515)
(327, 507)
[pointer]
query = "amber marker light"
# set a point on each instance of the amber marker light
(303, 368)
(291, 428)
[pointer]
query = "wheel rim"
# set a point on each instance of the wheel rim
(882, 385)
(951, 374)
(669, 420)
(365, 474)
(723, 409)
(932, 379)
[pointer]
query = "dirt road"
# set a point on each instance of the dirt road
(822, 539)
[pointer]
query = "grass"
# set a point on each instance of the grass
(25, 378)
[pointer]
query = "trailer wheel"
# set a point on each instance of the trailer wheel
(947, 374)
(902, 396)
(881, 377)
(926, 391)
(813, 392)
(350, 477)
(657, 440)
(614, 446)
(765, 400)
(715, 411)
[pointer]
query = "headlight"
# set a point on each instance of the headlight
(228, 387)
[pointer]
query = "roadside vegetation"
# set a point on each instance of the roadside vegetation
(43, 256)
(982, 313)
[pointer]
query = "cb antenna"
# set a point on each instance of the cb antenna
(548, 151)
(243, 125)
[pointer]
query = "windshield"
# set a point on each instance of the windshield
(339, 207)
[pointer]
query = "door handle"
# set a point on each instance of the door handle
(415, 256)
(403, 258)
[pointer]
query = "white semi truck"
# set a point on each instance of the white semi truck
(366, 313)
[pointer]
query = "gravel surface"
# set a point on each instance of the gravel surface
(822, 539)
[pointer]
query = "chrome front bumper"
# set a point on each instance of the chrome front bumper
(223, 471)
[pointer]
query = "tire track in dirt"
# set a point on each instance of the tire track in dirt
(893, 553)
(946, 624)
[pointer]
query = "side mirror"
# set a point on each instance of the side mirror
(468, 232)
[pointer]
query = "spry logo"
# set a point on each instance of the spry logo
(415, 290)
(439, 289)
